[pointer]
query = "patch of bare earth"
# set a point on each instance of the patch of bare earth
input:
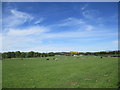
(88, 79)
(72, 83)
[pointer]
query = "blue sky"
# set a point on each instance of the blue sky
(62, 26)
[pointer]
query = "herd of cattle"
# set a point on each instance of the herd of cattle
(54, 58)
(57, 58)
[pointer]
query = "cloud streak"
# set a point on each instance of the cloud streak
(71, 22)
(16, 18)
(27, 32)
(39, 21)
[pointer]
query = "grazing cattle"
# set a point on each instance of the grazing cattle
(101, 57)
(47, 59)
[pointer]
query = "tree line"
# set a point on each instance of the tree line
(19, 54)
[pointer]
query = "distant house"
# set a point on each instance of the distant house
(81, 55)
(78, 55)
(58, 55)
(75, 55)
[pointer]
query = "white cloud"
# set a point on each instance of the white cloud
(12, 42)
(90, 14)
(84, 7)
(36, 37)
(16, 18)
(78, 24)
(18, 40)
(62, 48)
(80, 34)
(27, 31)
(54, 48)
(23, 38)
(116, 42)
(39, 21)
(71, 21)
(89, 27)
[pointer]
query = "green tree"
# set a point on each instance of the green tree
(30, 54)
(17, 54)
(51, 54)
(23, 54)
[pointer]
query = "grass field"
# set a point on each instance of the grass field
(0, 74)
(65, 72)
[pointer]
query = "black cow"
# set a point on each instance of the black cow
(47, 59)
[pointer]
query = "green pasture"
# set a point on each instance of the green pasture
(0, 74)
(65, 72)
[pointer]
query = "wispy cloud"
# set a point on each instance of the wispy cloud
(27, 31)
(89, 27)
(78, 24)
(16, 18)
(41, 33)
(78, 34)
(71, 21)
(39, 21)
(90, 14)
(84, 7)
